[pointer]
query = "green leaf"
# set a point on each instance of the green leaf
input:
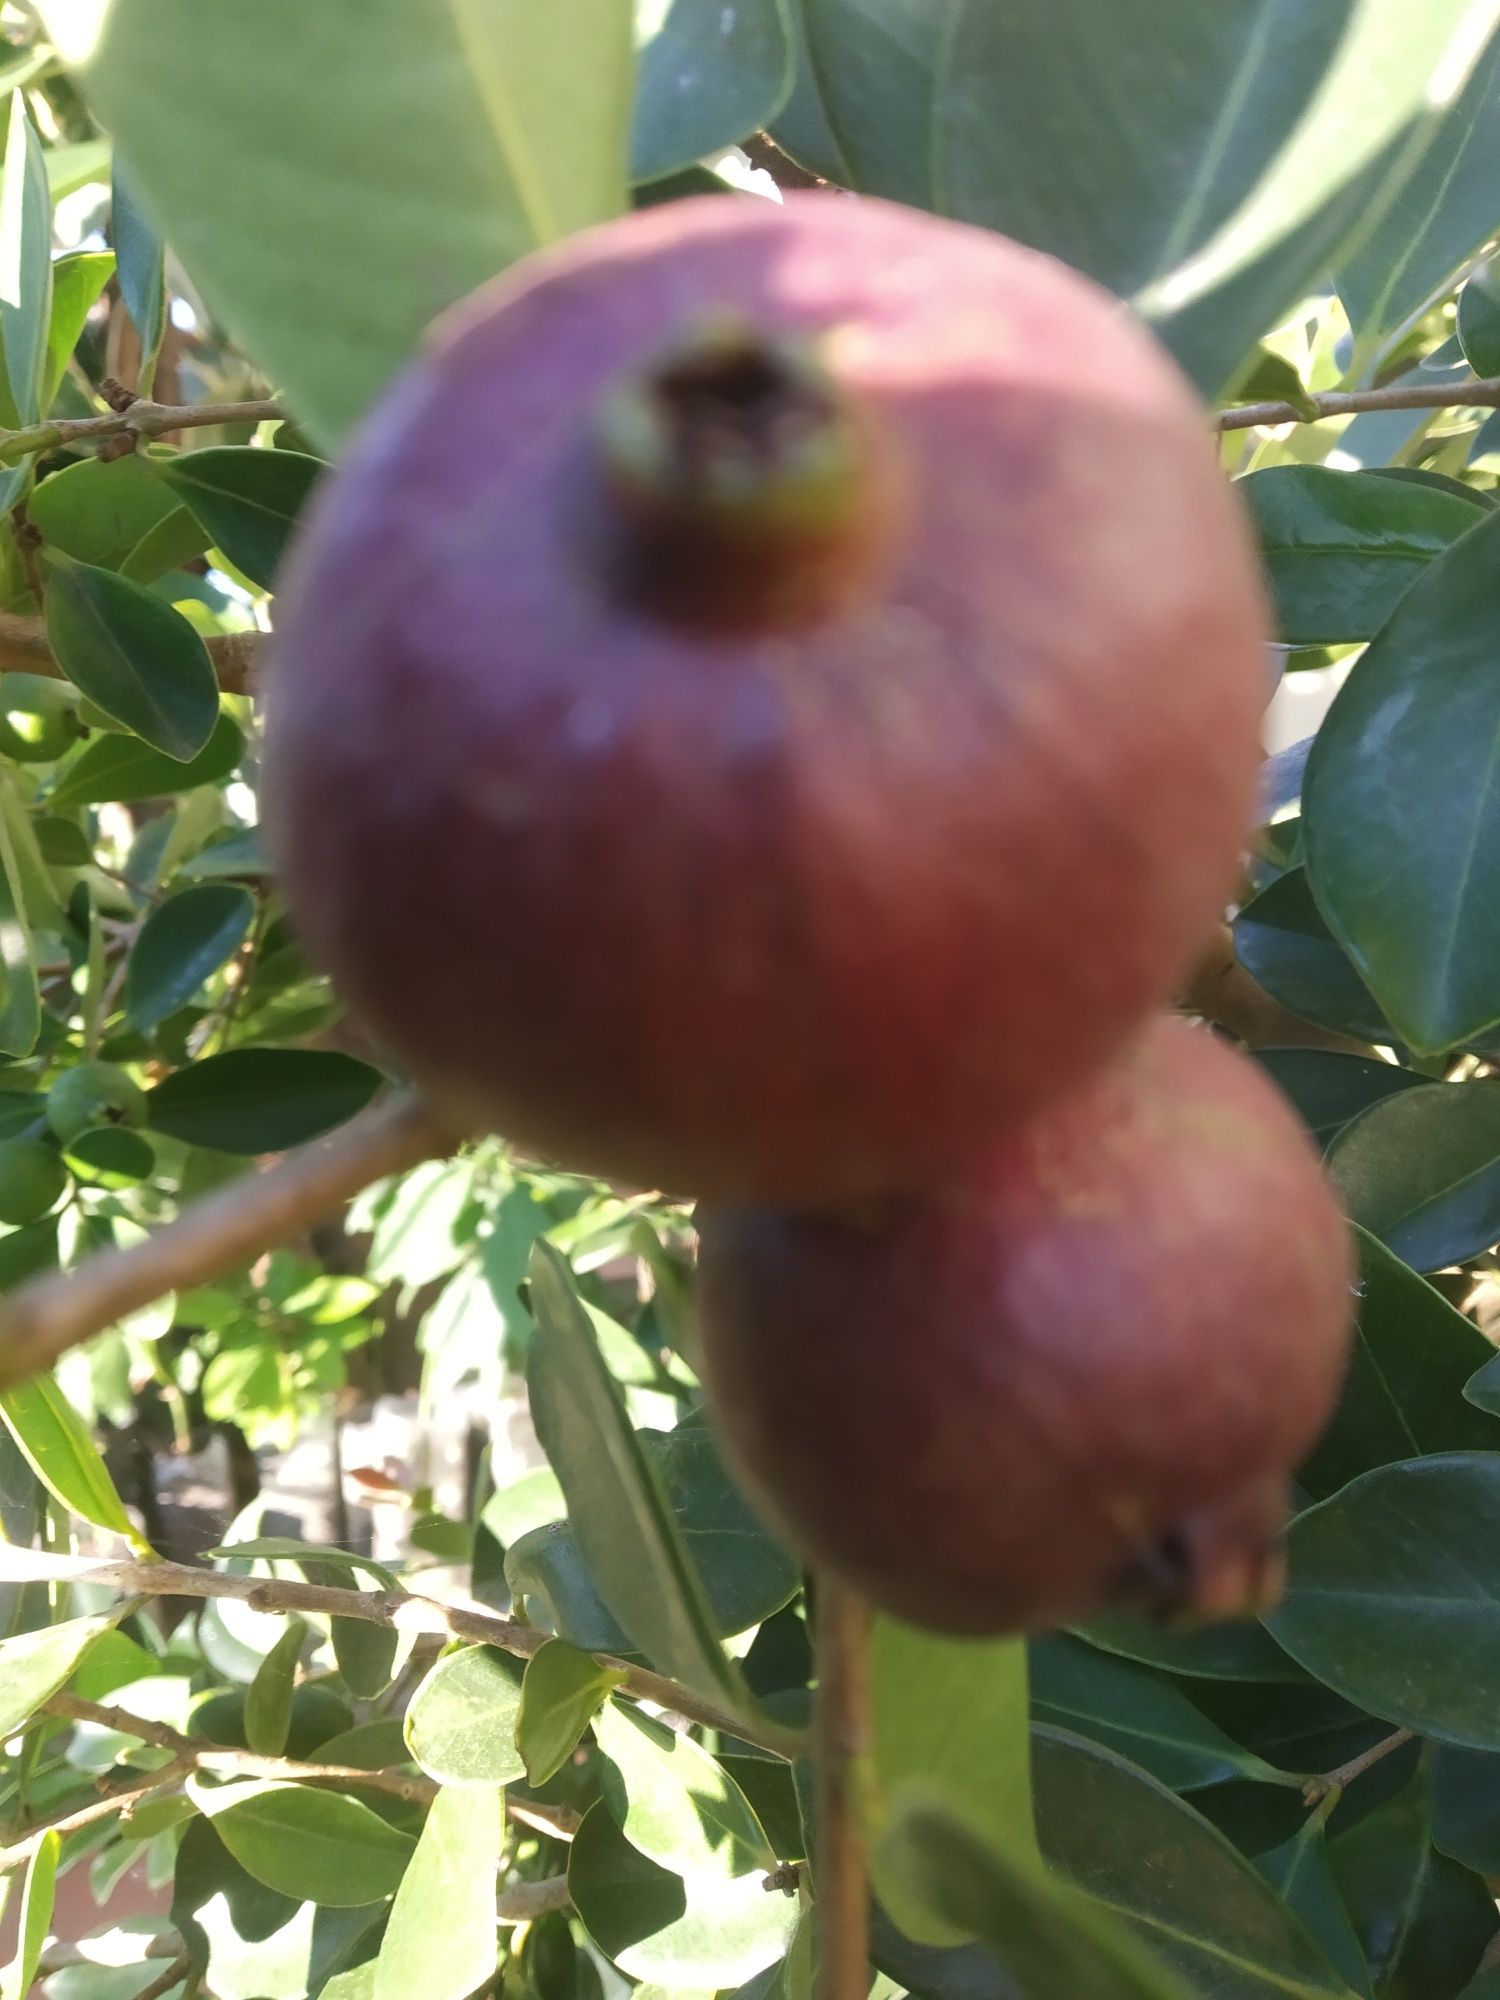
(1282, 941)
(20, 995)
(247, 500)
(1341, 549)
(461, 1726)
(115, 514)
(690, 1936)
(141, 257)
(133, 655)
(312, 1845)
(1395, 1594)
(563, 1690)
(366, 1655)
(1171, 1878)
(183, 942)
(1422, 1171)
(1238, 1650)
(439, 138)
(1403, 866)
(261, 1100)
(32, 1179)
(1140, 1716)
(707, 75)
(77, 282)
(1328, 1089)
(284, 1548)
(440, 1941)
(38, 1894)
(616, 1504)
(1403, 1396)
(268, 1699)
(1420, 245)
(1048, 1939)
(673, 1802)
(1479, 319)
(57, 1446)
(25, 266)
(34, 1665)
(1466, 1806)
(123, 769)
(1298, 1871)
(1422, 1921)
(949, 1723)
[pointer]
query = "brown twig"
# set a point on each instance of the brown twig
(140, 419)
(524, 1902)
(58, 1957)
(42, 1319)
(1473, 392)
(841, 1735)
(397, 1610)
(1317, 1789)
(24, 649)
(124, 1801)
(171, 1976)
(1223, 992)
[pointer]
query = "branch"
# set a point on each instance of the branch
(172, 1975)
(523, 1902)
(42, 1319)
(1474, 392)
(841, 1725)
(1317, 1789)
(124, 1801)
(1221, 990)
(140, 419)
(397, 1610)
(24, 649)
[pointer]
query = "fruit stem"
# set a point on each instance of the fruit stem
(841, 1744)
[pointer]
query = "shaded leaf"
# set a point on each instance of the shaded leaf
(1329, 1089)
(707, 75)
(133, 656)
(247, 501)
(261, 1100)
(183, 942)
(1283, 943)
(115, 514)
(268, 1699)
(1422, 1171)
(123, 769)
(25, 266)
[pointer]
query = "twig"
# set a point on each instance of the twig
(164, 1981)
(1317, 1789)
(24, 649)
(841, 1732)
(57, 1957)
(42, 1319)
(1472, 392)
(397, 1610)
(524, 1902)
(125, 1801)
(139, 419)
(1221, 990)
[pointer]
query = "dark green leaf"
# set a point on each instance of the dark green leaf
(706, 76)
(563, 1690)
(132, 655)
(25, 266)
(141, 257)
(261, 1100)
(268, 1699)
(124, 769)
(1422, 1171)
(1401, 804)
(113, 513)
(365, 1654)
(1479, 319)
(247, 501)
(714, 1931)
(32, 1179)
(1341, 549)
(616, 1500)
(111, 1156)
(1466, 1806)
(1329, 1089)
(1298, 1871)
(1283, 943)
(1395, 1594)
(1238, 1650)
(313, 1845)
(183, 942)
(461, 1726)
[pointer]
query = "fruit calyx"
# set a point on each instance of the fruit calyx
(744, 489)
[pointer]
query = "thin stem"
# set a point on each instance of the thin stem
(841, 1734)
(171, 1976)
(41, 1320)
(125, 1802)
(1474, 392)
(1317, 1789)
(142, 418)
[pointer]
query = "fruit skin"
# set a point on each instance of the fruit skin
(770, 913)
(1074, 1377)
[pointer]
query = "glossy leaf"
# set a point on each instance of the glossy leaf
(247, 501)
(268, 1699)
(123, 769)
(1282, 941)
(707, 75)
(616, 1503)
(440, 1941)
(461, 1726)
(1401, 805)
(1139, 1715)
(1422, 1171)
(115, 514)
(34, 1665)
(1298, 1871)
(310, 1844)
(1329, 1089)
(133, 656)
(183, 942)
(1395, 1594)
(421, 136)
(561, 1693)
(1341, 549)
(949, 1725)
(58, 1447)
(1403, 1396)
(688, 1936)
(25, 266)
(261, 1100)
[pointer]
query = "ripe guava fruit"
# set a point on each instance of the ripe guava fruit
(1073, 1376)
(770, 692)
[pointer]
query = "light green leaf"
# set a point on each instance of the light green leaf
(57, 1446)
(268, 1699)
(37, 1898)
(461, 1726)
(440, 1941)
(561, 1693)
(77, 282)
(25, 266)
(34, 1665)
(671, 1799)
(312, 1845)
(439, 138)
(248, 501)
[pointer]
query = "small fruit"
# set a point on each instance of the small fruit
(1073, 1377)
(772, 692)
(93, 1093)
